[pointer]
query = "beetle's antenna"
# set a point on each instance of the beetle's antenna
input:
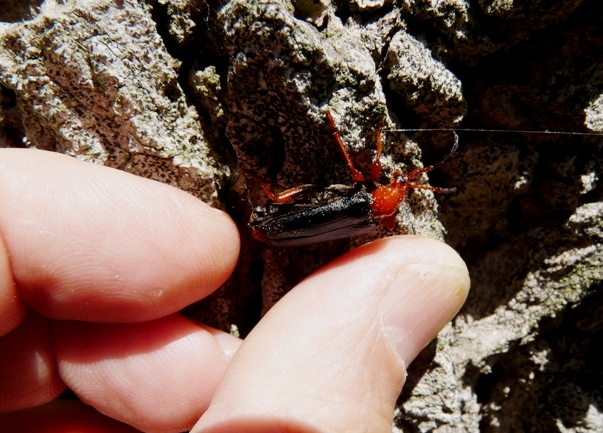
(416, 173)
(455, 146)
(595, 134)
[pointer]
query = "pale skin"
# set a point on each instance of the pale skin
(95, 265)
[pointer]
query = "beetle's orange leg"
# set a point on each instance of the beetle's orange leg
(419, 171)
(290, 194)
(376, 167)
(356, 175)
(283, 196)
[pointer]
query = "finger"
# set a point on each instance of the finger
(96, 244)
(331, 355)
(12, 310)
(158, 376)
(61, 416)
(28, 373)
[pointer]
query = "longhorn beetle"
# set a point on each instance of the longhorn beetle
(339, 211)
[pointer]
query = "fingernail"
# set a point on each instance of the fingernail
(419, 302)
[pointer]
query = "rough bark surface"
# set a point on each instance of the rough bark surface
(189, 91)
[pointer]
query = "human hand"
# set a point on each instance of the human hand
(103, 260)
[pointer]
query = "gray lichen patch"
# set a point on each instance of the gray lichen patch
(182, 17)
(432, 92)
(376, 34)
(468, 30)
(314, 11)
(94, 81)
(432, 400)
(594, 114)
(368, 5)
(489, 175)
(206, 85)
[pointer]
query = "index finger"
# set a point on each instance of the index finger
(91, 243)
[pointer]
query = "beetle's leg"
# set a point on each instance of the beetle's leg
(419, 171)
(283, 196)
(291, 193)
(356, 175)
(376, 166)
(416, 173)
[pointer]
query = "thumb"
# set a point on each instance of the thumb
(331, 356)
